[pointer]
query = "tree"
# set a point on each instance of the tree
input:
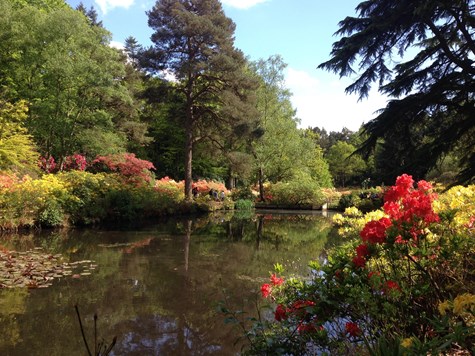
(421, 53)
(194, 42)
(343, 164)
(17, 150)
(70, 77)
(282, 152)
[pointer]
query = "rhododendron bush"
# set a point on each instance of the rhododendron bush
(133, 169)
(404, 283)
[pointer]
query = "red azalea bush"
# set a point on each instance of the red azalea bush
(133, 169)
(403, 285)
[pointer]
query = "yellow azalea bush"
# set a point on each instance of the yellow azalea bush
(79, 197)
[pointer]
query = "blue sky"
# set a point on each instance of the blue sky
(301, 31)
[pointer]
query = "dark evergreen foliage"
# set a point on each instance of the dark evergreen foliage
(421, 54)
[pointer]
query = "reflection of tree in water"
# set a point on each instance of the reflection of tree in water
(162, 335)
(157, 289)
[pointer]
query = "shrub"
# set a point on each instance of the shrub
(296, 192)
(134, 170)
(365, 200)
(403, 285)
(47, 165)
(75, 162)
(243, 204)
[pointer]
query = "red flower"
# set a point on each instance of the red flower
(362, 250)
(308, 328)
(375, 231)
(276, 281)
(302, 304)
(424, 186)
(391, 287)
(359, 261)
(353, 329)
(280, 313)
(393, 209)
(299, 307)
(266, 290)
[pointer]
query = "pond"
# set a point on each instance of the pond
(156, 288)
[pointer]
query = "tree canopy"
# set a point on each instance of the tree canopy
(194, 41)
(421, 54)
(70, 78)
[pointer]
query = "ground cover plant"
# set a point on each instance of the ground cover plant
(403, 284)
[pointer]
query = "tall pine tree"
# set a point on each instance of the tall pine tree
(194, 42)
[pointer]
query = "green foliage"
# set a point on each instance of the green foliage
(194, 42)
(52, 215)
(343, 164)
(297, 192)
(363, 200)
(243, 204)
(69, 76)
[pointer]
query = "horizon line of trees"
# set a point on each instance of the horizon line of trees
(64, 90)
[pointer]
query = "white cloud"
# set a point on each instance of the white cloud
(242, 4)
(321, 101)
(106, 5)
(115, 44)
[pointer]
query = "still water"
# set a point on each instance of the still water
(157, 288)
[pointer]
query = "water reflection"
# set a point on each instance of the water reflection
(157, 288)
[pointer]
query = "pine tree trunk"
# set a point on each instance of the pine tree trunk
(189, 154)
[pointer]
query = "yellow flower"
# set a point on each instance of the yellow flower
(464, 303)
(407, 342)
(338, 219)
(443, 307)
(353, 211)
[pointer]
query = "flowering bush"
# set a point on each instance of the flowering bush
(404, 282)
(47, 165)
(134, 170)
(75, 162)
(80, 198)
(203, 186)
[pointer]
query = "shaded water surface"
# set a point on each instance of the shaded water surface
(156, 288)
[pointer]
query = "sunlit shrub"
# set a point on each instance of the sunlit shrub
(86, 203)
(244, 204)
(296, 192)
